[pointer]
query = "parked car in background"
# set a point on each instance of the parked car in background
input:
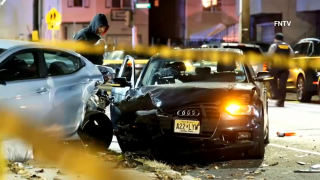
(305, 81)
(246, 48)
(263, 46)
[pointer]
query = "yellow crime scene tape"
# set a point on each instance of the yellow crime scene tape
(51, 150)
(190, 54)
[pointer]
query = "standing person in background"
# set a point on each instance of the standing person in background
(92, 35)
(280, 72)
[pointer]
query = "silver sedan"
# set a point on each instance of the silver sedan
(51, 84)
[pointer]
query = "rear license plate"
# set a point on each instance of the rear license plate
(187, 126)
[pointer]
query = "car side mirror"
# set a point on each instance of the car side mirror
(119, 82)
(263, 76)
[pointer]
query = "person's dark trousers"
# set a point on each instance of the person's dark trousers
(279, 91)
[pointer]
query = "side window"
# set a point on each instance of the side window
(301, 49)
(310, 49)
(59, 63)
(316, 48)
(19, 67)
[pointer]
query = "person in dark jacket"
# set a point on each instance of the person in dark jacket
(279, 70)
(92, 35)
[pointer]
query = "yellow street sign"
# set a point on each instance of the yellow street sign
(53, 27)
(53, 18)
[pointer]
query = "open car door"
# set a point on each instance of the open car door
(120, 86)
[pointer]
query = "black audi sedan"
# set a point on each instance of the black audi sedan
(192, 105)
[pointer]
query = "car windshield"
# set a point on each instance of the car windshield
(245, 49)
(167, 71)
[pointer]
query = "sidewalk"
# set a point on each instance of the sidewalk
(51, 173)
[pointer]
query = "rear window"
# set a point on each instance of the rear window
(264, 47)
(245, 49)
(2, 50)
(115, 55)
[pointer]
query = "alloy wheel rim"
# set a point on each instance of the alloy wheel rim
(300, 88)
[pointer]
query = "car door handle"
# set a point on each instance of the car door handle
(41, 90)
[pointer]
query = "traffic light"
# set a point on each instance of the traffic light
(128, 18)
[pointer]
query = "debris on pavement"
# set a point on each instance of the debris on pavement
(286, 134)
(168, 175)
(274, 164)
(302, 155)
(40, 171)
(316, 166)
(210, 176)
(60, 173)
(307, 171)
(129, 163)
(301, 163)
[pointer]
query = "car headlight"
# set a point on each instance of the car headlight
(238, 109)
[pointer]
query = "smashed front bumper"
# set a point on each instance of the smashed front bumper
(224, 133)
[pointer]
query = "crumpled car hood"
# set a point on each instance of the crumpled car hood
(171, 96)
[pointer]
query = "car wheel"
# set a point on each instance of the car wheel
(302, 96)
(125, 146)
(258, 151)
(267, 139)
(97, 134)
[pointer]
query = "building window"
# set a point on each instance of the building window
(121, 3)
(213, 8)
(77, 3)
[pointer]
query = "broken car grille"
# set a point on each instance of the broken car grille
(207, 114)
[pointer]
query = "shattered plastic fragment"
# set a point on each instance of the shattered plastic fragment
(274, 164)
(316, 166)
(301, 163)
(301, 155)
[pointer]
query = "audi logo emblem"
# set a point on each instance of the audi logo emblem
(189, 112)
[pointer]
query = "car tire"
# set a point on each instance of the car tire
(302, 96)
(97, 133)
(267, 138)
(125, 146)
(259, 150)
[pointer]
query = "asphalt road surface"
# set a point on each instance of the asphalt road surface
(283, 154)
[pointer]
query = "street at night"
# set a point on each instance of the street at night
(160, 89)
(284, 155)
